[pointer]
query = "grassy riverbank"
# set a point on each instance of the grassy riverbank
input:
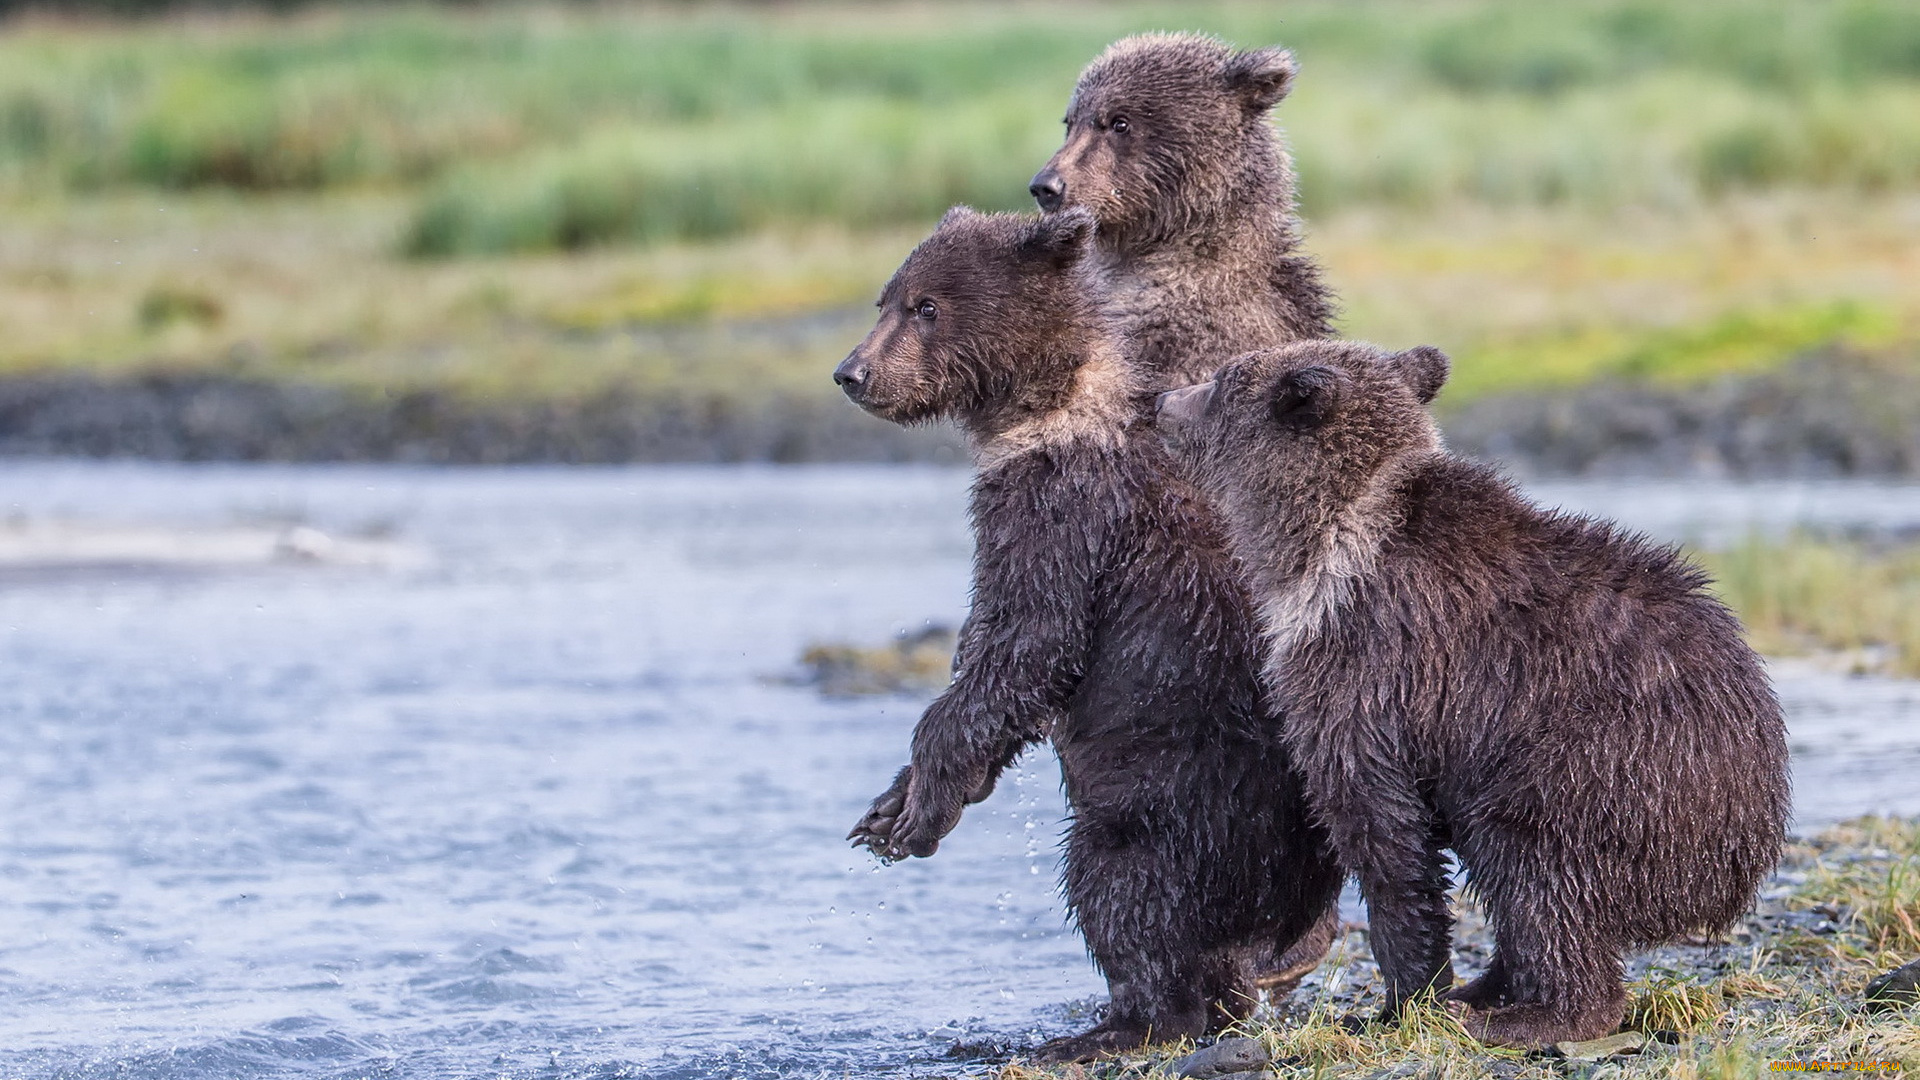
(286, 287)
(691, 206)
(1853, 601)
(1785, 987)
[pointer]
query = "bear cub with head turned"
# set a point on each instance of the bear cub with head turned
(1561, 703)
(1197, 255)
(1106, 618)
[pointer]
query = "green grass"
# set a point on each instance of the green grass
(1804, 594)
(562, 200)
(1738, 340)
(863, 164)
(544, 129)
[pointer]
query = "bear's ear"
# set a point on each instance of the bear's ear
(1305, 399)
(1058, 239)
(1424, 369)
(1260, 76)
(956, 214)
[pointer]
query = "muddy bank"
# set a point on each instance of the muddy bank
(1827, 414)
(1832, 413)
(178, 417)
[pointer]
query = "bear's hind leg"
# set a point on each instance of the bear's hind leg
(1486, 991)
(1227, 985)
(1152, 1006)
(1563, 984)
(1409, 926)
(1535, 1026)
(1139, 920)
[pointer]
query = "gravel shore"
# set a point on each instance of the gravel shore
(1800, 979)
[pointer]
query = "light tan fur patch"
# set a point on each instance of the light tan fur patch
(1096, 411)
(1349, 552)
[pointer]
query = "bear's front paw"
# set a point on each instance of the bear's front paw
(934, 806)
(924, 821)
(910, 819)
(875, 830)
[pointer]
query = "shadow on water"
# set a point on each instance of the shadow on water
(527, 802)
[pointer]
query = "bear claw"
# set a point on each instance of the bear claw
(1090, 1045)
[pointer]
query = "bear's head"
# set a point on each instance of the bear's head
(985, 316)
(1307, 425)
(1165, 132)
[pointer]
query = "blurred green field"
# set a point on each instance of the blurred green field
(1857, 601)
(496, 198)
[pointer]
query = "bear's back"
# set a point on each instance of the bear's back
(1467, 529)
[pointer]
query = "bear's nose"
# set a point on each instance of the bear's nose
(1049, 189)
(1178, 408)
(851, 375)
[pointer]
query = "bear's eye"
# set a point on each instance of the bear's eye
(926, 310)
(1119, 125)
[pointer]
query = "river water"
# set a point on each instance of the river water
(495, 773)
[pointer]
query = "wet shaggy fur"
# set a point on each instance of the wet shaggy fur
(1561, 703)
(1106, 618)
(1169, 146)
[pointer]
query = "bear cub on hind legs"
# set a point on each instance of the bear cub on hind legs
(1106, 618)
(1197, 253)
(1561, 703)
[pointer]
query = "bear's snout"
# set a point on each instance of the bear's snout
(1049, 189)
(1176, 409)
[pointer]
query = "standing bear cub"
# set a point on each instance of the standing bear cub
(1107, 618)
(1562, 704)
(1197, 255)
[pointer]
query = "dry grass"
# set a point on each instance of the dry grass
(1805, 594)
(1785, 988)
(1529, 297)
(1667, 1003)
(305, 286)
(299, 287)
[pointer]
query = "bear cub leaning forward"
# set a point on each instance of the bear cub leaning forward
(1107, 618)
(1562, 704)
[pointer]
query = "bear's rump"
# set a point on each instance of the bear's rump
(1650, 816)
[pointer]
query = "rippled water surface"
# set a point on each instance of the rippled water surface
(525, 795)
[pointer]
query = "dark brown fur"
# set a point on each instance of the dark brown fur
(1561, 703)
(1198, 245)
(1107, 618)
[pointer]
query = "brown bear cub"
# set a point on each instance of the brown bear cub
(1561, 703)
(1197, 256)
(1107, 618)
